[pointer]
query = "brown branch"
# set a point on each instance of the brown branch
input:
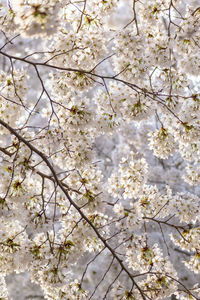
(71, 201)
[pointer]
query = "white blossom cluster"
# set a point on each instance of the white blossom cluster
(13, 90)
(129, 179)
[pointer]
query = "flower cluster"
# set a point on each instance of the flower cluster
(13, 91)
(129, 179)
(162, 143)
